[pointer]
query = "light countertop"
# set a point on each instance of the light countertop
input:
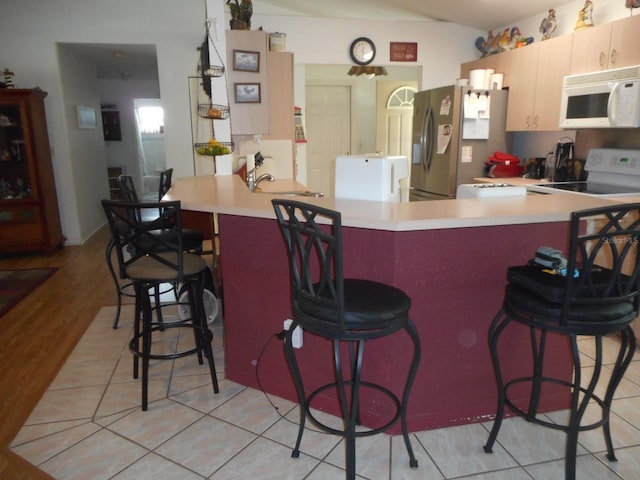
(229, 195)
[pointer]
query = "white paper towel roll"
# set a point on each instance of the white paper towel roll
(477, 79)
(496, 81)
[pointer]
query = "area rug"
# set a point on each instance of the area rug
(17, 284)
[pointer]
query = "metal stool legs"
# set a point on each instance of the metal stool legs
(349, 396)
(145, 326)
(580, 396)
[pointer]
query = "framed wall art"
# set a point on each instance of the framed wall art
(87, 117)
(247, 92)
(244, 61)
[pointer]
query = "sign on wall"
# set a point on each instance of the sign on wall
(403, 51)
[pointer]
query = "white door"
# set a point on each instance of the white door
(328, 121)
(394, 117)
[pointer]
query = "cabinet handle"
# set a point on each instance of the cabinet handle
(528, 121)
(603, 57)
(612, 58)
(535, 122)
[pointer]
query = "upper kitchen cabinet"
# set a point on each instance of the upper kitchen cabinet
(260, 86)
(29, 215)
(248, 77)
(611, 45)
(534, 75)
(281, 102)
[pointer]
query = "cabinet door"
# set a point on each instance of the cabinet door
(17, 169)
(521, 66)
(248, 116)
(553, 66)
(29, 215)
(625, 43)
(590, 51)
(281, 104)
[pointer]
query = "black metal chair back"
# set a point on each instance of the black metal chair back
(614, 242)
(316, 263)
(165, 182)
(127, 188)
(145, 240)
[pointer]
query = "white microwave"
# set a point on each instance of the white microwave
(604, 99)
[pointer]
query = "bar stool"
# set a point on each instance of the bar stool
(192, 241)
(600, 298)
(345, 311)
(156, 256)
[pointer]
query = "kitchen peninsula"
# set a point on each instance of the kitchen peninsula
(450, 256)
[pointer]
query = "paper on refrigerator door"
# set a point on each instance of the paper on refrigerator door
(444, 137)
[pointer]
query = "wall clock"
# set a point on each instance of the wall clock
(362, 51)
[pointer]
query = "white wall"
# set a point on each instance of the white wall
(441, 46)
(29, 31)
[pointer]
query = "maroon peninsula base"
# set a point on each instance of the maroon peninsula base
(455, 278)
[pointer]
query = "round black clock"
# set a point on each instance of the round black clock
(362, 51)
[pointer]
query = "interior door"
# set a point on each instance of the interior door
(328, 122)
(394, 117)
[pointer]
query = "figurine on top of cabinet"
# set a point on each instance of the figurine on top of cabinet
(509, 39)
(8, 78)
(585, 16)
(548, 25)
(241, 13)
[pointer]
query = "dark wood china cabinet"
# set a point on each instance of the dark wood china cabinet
(29, 215)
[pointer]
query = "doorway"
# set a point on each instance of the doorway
(328, 133)
(149, 116)
(363, 118)
(394, 117)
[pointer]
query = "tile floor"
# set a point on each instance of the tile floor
(89, 426)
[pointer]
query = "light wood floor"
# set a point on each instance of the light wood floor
(38, 334)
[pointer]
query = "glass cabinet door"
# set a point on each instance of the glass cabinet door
(15, 174)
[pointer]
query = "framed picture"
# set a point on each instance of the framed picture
(247, 92)
(111, 125)
(87, 117)
(245, 61)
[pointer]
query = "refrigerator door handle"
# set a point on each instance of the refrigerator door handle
(430, 129)
(424, 139)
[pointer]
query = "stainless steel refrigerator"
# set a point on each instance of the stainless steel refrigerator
(439, 166)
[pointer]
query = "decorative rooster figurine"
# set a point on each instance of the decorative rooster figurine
(240, 14)
(548, 25)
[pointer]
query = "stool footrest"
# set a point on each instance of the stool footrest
(363, 433)
(163, 356)
(535, 419)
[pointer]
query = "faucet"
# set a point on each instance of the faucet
(253, 182)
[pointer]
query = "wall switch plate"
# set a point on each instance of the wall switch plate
(296, 337)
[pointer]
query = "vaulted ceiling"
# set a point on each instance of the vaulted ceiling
(481, 14)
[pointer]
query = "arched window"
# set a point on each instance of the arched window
(401, 97)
